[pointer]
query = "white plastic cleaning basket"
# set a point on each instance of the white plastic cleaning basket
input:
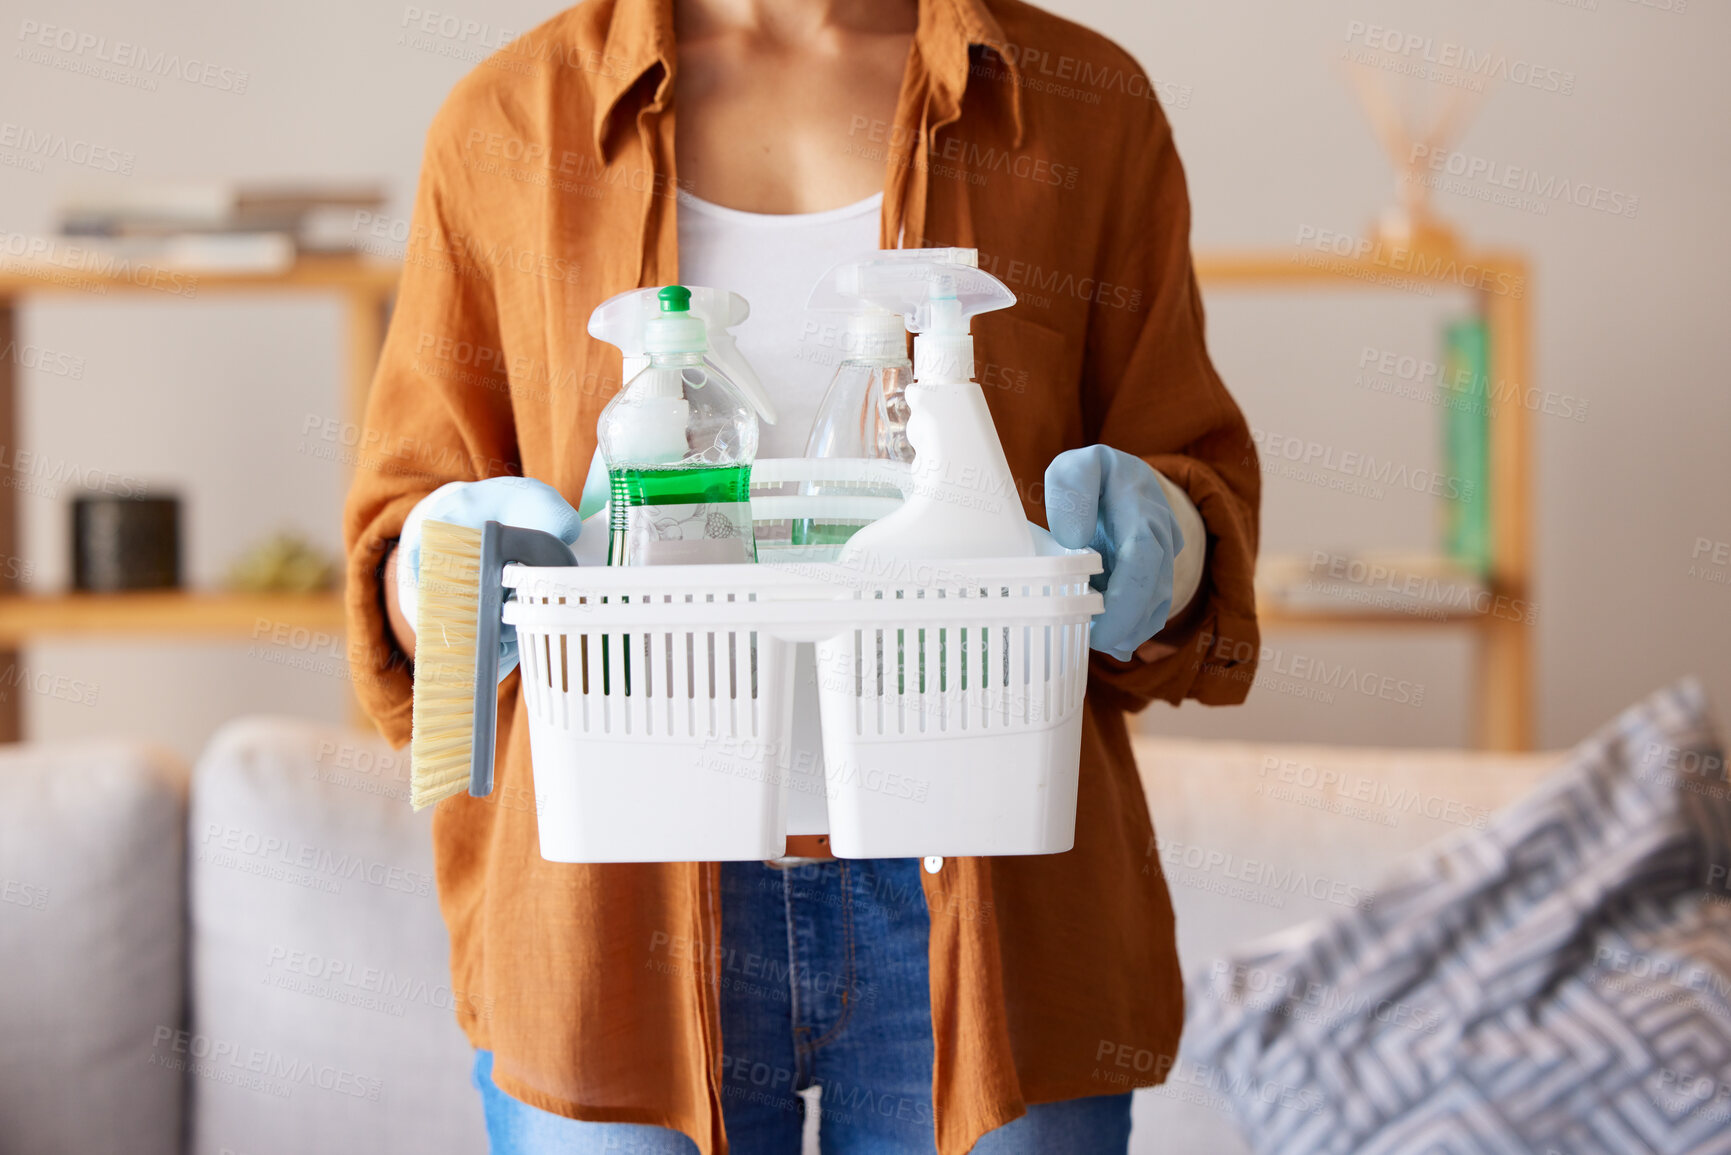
(952, 709)
(660, 698)
(656, 703)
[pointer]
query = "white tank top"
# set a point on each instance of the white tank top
(773, 260)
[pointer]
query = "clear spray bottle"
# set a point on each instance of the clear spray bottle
(864, 413)
(680, 437)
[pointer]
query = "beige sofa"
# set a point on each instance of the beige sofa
(247, 959)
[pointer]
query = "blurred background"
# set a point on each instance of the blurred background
(237, 401)
(1578, 558)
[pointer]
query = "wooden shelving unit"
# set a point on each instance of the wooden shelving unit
(364, 288)
(166, 613)
(1503, 676)
(1503, 665)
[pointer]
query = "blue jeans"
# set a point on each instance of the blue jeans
(823, 984)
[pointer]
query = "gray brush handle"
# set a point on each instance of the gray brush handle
(501, 545)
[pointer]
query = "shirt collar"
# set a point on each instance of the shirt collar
(948, 30)
(640, 37)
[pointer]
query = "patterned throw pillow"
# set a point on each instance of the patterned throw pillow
(1558, 982)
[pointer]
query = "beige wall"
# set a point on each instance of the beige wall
(214, 398)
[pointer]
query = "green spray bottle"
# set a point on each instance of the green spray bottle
(680, 437)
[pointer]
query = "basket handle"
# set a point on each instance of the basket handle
(501, 545)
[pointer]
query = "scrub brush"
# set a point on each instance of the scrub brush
(457, 624)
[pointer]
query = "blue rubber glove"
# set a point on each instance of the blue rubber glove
(508, 500)
(1113, 502)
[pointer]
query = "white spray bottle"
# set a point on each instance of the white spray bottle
(680, 437)
(963, 501)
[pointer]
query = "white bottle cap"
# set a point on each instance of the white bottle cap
(875, 334)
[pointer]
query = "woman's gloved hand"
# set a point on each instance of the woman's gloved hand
(1113, 502)
(509, 500)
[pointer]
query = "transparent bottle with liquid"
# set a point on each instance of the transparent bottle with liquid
(679, 439)
(864, 414)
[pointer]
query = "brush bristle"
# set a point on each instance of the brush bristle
(442, 737)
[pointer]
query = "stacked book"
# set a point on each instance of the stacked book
(220, 227)
(1358, 584)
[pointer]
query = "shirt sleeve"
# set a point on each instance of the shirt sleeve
(1151, 390)
(439, 410)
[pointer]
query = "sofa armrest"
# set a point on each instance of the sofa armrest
(92, 947)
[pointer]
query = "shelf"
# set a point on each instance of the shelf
(1275, 617)
(1499, 616)
(315, 273)
(168, 613)
(1270, 268)
(1387, 267)
(1377, 590)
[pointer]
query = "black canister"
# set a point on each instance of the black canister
(125, 543)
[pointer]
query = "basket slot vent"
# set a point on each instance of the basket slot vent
(655, 683)
(712, 720)
(1048, 671)
(949, 666)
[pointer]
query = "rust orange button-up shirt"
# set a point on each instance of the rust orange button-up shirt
(547, 187)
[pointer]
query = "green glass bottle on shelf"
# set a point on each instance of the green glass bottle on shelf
(1465, 395)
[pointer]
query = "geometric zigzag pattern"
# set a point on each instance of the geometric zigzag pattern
(1556, 983)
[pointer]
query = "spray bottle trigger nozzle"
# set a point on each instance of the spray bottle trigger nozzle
(933, 290)
(623, 321)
